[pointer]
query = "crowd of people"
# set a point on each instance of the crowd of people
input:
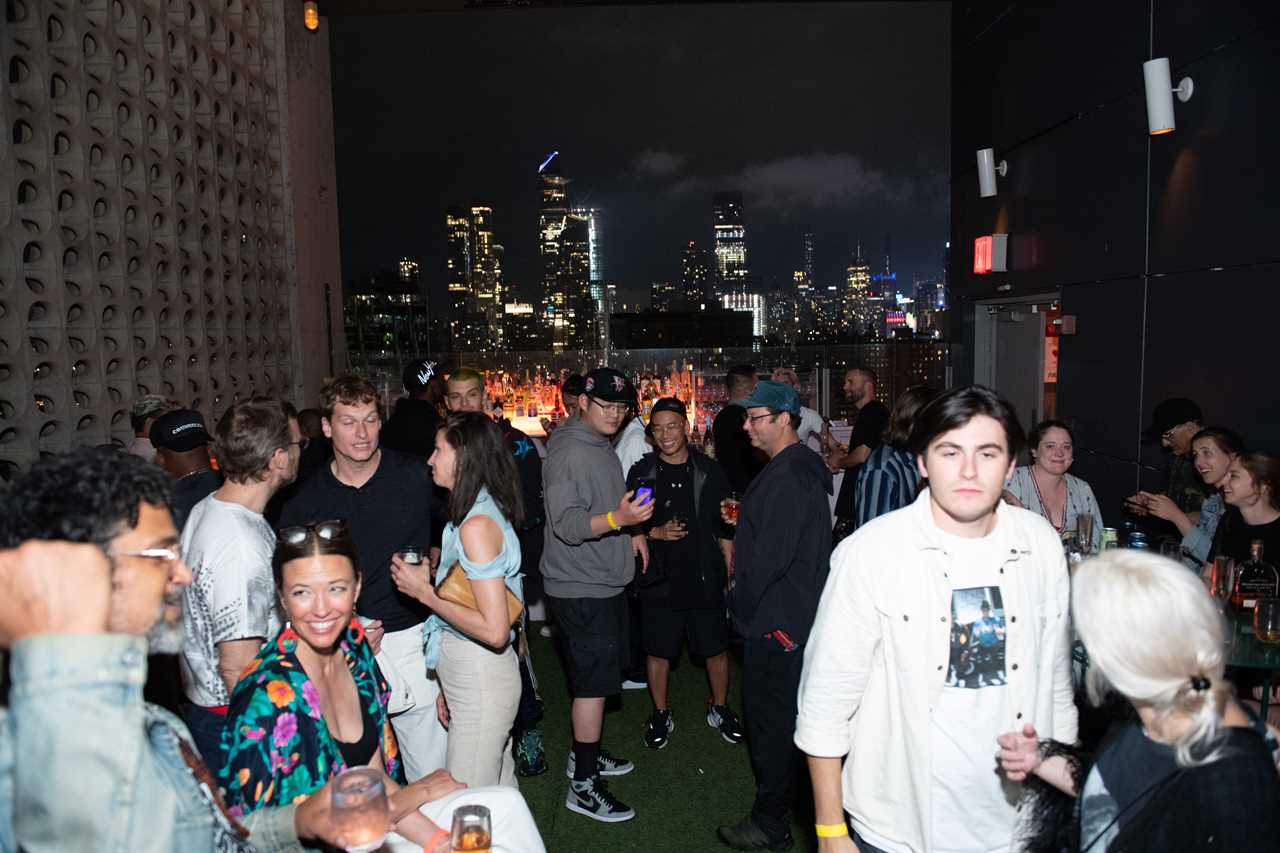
(346, 590)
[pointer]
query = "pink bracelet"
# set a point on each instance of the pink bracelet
(435, 839)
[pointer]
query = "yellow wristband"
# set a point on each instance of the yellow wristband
(613, 525)
(831, 830)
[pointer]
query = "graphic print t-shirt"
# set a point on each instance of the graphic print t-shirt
(231, 597)
(973, 807)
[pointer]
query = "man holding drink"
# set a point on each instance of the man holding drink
(782, 547)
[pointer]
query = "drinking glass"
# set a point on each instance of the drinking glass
(1266, 620)
(1084, 533)
(411, 554)
(472, 832)
(359, 806)
(731, 505)
(1222, 577)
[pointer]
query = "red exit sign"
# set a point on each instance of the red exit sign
(990, 253)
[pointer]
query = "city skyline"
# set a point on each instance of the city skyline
(827, 124)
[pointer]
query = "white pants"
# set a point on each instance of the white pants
(513, 828)
(423, 741)
(482, 688)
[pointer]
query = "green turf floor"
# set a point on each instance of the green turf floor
(680, 793)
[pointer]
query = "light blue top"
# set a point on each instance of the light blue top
(1197, 541)
(505, 565)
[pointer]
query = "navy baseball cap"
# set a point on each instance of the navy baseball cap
(778, 396)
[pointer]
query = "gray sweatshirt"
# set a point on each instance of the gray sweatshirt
(582, 477)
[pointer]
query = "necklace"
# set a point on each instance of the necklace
(1066, 501)
(193, 473)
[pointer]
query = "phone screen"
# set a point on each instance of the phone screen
(644, 494)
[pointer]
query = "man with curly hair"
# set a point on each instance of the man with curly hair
(85, 763)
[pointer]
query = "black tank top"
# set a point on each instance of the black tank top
(360, 753)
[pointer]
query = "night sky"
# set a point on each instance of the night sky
(829, 117)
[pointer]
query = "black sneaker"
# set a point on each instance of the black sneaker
(658, 728)
(722, 718)
(606, 765)
(746, 834)
(531, 759)
(593, 799)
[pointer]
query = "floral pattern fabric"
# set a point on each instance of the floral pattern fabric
(276, 745)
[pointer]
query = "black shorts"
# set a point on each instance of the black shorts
(595, 632)
(665, 630)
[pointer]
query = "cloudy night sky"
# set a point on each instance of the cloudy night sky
(829, 117)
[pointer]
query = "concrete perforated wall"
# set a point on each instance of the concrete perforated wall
(145, 222)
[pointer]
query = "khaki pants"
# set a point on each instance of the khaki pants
(482, 688)
(418, 731)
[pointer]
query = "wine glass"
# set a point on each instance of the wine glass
(359, 806)
(1222, 578)
(1266, 620)
(472, 831)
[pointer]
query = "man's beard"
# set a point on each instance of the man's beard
(165, 637)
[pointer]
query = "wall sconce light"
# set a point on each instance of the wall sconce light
(1160, 94)
(987, 169)
(311, 15)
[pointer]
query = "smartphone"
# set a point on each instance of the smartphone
(644, 494)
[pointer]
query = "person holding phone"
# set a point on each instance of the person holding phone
(588, 560)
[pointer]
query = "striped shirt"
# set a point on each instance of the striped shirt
(886, 481)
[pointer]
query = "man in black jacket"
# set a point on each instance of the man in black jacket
(734, 451)
(782, 549)
(682, 591)
(415, 419)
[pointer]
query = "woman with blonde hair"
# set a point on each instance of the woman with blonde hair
(1191, 772)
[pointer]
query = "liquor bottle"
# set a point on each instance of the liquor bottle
(1257, 579)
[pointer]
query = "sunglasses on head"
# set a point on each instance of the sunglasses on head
(326, 530)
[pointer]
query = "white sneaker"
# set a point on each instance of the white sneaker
(547, 630)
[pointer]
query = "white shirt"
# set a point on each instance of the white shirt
(878, 660)
(810, 425)
(232, 594)
(631, 445)
(142, 446)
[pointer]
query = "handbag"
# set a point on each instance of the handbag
(457, 588)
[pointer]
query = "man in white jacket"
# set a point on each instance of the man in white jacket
(942, 625)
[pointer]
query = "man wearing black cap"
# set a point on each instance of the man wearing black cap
(416, 417)
(182, 450)
(681, 593)
(587, 562)
(781, 555)
(1174, 422)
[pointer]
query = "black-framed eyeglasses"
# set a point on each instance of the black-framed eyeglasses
(754, 418)
(326, 530)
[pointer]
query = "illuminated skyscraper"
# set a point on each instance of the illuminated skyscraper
(409, 270)
(755, 303)
(552, 217)
(457, 222)
(663, 295)
(730, 243)
(857, 295)
(808, 256)
(595, 235)
(486, 267)
(695, 276)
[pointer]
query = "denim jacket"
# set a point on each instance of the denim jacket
(86, 764)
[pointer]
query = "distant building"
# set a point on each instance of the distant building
(680, 329)
(521, 331)
(409, 270)
(857, 311)
(750, 302)
(457, 222)
(732, 270)
(386, 324)
(664, 295)
(695, 275)
(568, 247)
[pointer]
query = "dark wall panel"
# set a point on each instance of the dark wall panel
(1211, 336)
(1214, 181)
